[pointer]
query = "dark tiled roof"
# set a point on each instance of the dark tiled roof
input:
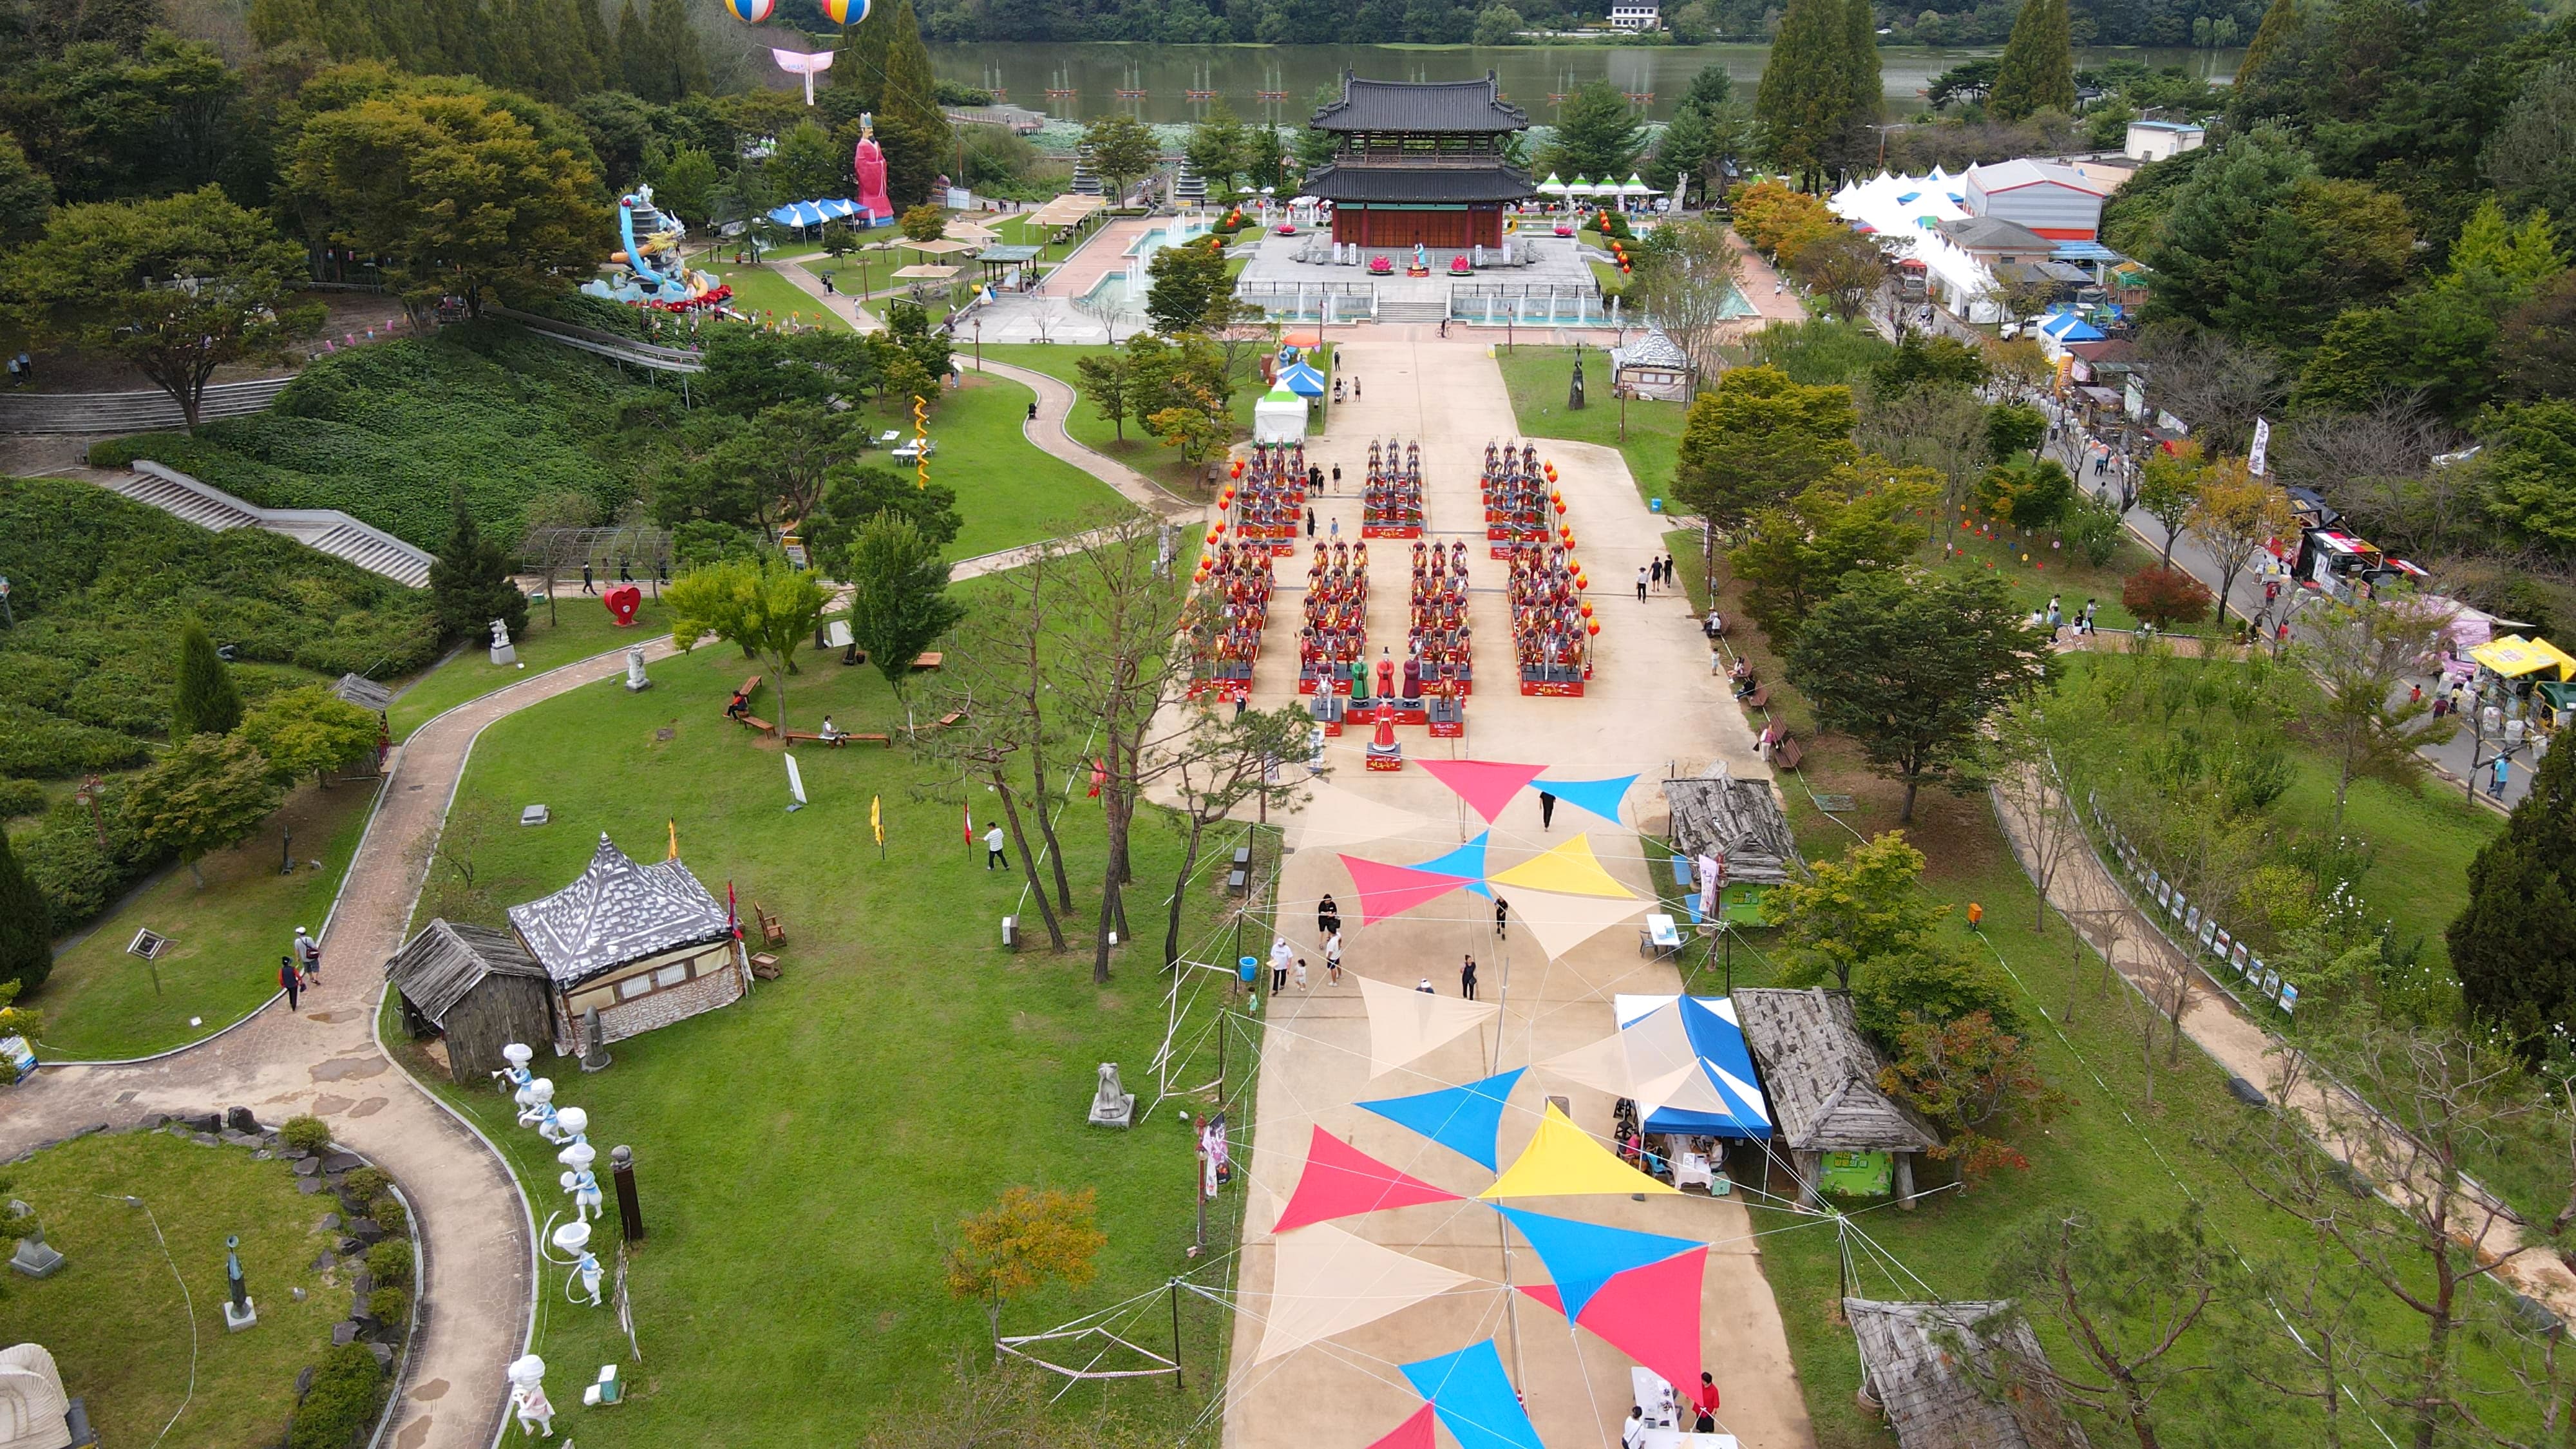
(1474, 106)
(1450, 184)
(446, 961)
(1993, 233)
(619, 911)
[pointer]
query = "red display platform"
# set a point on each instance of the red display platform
(1308, 684)
(1455, 729)
(1229, 691)
(1390, 530)
(1554, 688)
(1383, 762)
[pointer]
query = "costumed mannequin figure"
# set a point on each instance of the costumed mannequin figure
(528, 1397)
(580, 1181)
(868, 164)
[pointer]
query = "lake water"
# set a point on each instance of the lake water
(1166, 74)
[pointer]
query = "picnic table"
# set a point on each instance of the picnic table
(1661, 937)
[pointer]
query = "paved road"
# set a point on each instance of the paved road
(1652, 703)
(325, 1059)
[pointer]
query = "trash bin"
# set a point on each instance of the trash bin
(1654, 505)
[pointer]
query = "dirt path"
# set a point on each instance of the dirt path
(2084, 889)
(1652, 706)
(327, 1060)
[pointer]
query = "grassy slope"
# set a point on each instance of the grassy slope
(762, 291)
(102, 1004)
(1008, 491)
(1138, 449)
(901, 1073)
(583, 627)
(115, 1318)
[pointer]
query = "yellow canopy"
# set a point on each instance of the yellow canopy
(1561, 1161)
(1570, 869)
(941, 246)
(2514, 656)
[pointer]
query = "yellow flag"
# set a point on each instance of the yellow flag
(675, 841)
(876, 819)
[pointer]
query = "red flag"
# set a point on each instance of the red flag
(733, 918)
(967, 825)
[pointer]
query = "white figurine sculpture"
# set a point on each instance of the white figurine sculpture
(573, 1240)
(502, 653)
(1111, 1104)
(635, 680)
(32, 1401)
(537, 1106)
(528, 1397)
(566, 1127)
(580, 1181)
(515, 1076)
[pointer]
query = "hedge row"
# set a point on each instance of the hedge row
(342, 1402)
(383, 433)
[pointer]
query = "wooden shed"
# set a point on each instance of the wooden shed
(1958, 1376)
(1740, 823)
(1822, 1075)
(478, 988)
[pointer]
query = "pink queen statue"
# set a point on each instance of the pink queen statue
(869, 165)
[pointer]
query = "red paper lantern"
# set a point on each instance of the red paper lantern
(1591, 626)
(1217, 529)
(1587, 610)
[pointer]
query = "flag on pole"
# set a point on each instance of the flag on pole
(876, 818)
(675, 841)
(968, 827)
(733, 920)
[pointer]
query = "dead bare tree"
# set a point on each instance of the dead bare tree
(2215, 385)
(1940, 428)
(982, 748)
(1213, 767)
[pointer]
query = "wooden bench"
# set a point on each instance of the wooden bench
(1786, 754)
(806, 737)
(755, 723)
(1758, 698)
(748, 686)
(949, 720)
(885, 740)
(772, 931)
(931, 660)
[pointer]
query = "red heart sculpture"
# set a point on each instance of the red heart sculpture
(622, 603)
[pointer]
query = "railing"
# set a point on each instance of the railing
(1316, 301)
(1498, 304)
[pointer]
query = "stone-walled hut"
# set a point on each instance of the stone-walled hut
(644, 945)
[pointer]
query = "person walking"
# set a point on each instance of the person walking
(2497, 781)
(1671, 579)
(1328, 916)
(1337, 477)
(1467, 978)
(1546, 812)
(1641, 586)
(1279, 958)
(1333, 955)
(1300, 973)
(1033, 410)
(994, 840)
(1502, 917)
(588, 584)
(1310, 522)
(1355, 387)
(289, 980)
(308, 955)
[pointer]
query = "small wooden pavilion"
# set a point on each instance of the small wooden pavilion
(1957, 1376)
(1822, 1075)
(478, 988)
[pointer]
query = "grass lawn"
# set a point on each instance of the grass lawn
(582, 627)
(114, 1317)
(1138, 449)
(1537, 378)
(805, 1154)
(764, 293)
(101, 1004)
(1008, 492)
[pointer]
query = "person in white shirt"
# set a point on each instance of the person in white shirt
(994, 840)
(1333, 958)
(1632, 1435)
(829, 733)
(1280, 953)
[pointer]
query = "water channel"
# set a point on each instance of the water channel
(1171, 83)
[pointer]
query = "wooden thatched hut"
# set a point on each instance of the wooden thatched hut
(1957, 1376)
(478, 988)
(1822, 1075)
(1740, 823)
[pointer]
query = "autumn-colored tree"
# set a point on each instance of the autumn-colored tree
(1966, 1076)
(2168, 486)
(2235, 514)
(1032, 1237)
(2165, 597)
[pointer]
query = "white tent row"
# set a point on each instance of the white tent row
(1906, 212)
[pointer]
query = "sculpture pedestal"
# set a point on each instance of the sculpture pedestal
(1385, 757)
(1121, 1114)
(36, 1258)
(237, 1319)
(504, 655)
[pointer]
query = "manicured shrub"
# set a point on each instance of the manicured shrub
(366, 1184)
(204, 701)
(21, 797)
(2166, 597)
(390, 1306)
(388, 1213)
(342, 1403)
(390, 1262)
(305, 1134)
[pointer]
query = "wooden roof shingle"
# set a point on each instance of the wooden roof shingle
(1823, 1074)
(1741, 818)
(1911, 1354)
(619, 911)
(437, 968)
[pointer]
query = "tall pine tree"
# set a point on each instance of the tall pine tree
(1860, 65)
(1806, 88)
(469, 585)
(2514, 944)
(26, 925)
(911, 125)
(2037, 72)
(678, 67)
(859, 61)
(634, 52)
(594, 66)
(203, 699)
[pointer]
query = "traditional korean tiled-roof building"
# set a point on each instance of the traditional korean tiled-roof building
(645, 945)
(1420, 162)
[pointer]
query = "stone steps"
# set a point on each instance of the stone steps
(150, 410)
(326, 530)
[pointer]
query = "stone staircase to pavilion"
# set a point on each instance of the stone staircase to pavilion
(326, 530)
(146, 411)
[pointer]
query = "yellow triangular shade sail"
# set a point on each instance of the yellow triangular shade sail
(1570, 869)
(1561, 1161)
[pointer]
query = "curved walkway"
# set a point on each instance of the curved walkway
(326, 1060)
(2084, 890)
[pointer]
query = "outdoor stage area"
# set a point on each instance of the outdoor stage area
(1350, 1327)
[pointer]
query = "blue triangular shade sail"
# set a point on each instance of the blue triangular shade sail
(1601, 797)
(1463, 1119)
(1580, 1257)
(1468, 861)
(1474, 1399)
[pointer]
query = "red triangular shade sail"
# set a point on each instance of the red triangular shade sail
(1486, 785)
(1386, 890)
(1651, 1314)
(1413, 1433)
(1340, 1181)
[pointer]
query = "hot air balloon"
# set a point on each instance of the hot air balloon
(845, 12)
(752, 12)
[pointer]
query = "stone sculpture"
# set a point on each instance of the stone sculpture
(528, 1397)
(580, 1181)
(1111, 1106)
(502, 651)
(34, 1257)
(238, 1312)
(635, 680)
(34, 1410)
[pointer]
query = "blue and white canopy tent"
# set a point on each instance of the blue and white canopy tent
(1683, 1060)
(1302, 380)
(812, 213)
